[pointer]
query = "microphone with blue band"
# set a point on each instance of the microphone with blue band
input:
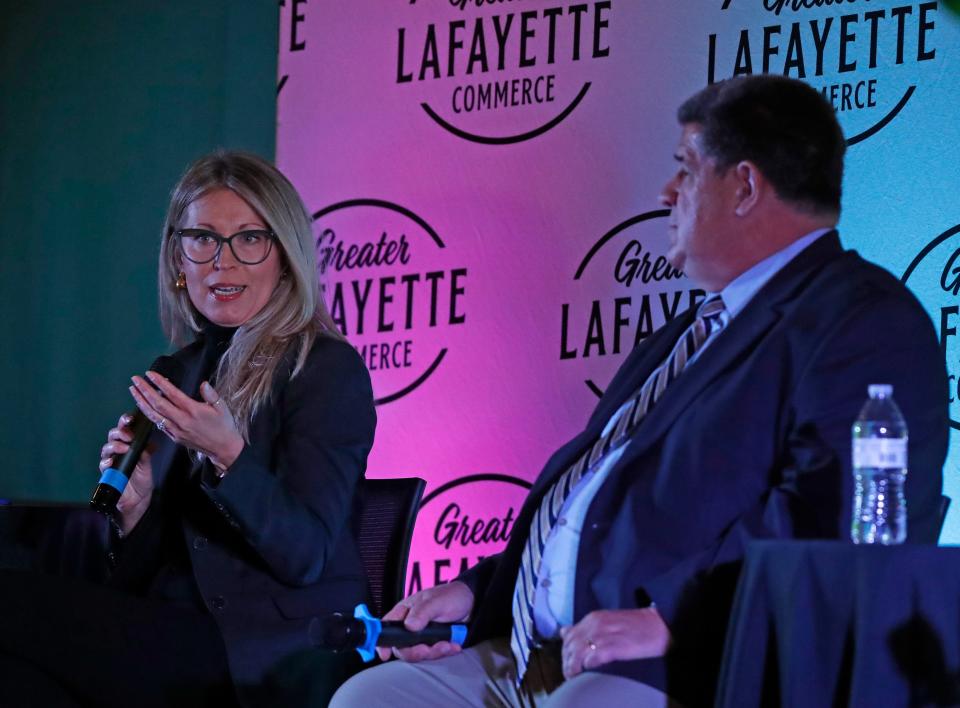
(364, 632)
(114, 479)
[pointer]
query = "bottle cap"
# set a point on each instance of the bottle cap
(880, 390)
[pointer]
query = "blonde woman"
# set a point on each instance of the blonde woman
(234, 529)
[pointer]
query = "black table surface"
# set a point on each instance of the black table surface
(826, 623)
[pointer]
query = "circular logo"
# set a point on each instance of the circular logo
(392, 289)
(934, 276)
(623, 290)
(864, 59)
(497, 74)
(460, 523)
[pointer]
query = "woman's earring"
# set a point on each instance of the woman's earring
(181, 281)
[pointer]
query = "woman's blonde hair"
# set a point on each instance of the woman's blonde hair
(295, 313)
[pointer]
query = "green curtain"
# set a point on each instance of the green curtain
(102, 106)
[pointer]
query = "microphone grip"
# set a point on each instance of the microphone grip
(394, 634)
(365, 633)
(114, 479)
(141, 428)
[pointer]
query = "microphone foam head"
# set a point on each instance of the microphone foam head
(337, 632)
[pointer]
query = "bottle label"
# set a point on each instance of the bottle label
(880, 452)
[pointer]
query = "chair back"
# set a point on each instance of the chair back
(387, 511)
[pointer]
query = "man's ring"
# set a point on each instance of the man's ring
(217, 402)
(162, 425)
(591, 645)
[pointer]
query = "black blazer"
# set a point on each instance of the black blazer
(752, 441)
(270, 545)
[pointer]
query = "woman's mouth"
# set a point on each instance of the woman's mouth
(225, 293)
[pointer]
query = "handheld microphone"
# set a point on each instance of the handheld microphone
(114, 479)
(364, 632)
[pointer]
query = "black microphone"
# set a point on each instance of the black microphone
(363, 632)
(114, 479)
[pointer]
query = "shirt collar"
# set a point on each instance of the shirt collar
(742, 288)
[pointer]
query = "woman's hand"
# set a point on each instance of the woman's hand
(136, 495)
(613, 635)
(207, 425)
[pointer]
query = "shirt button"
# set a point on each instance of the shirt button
(218, 602)
(562, 521)
(200, 542)
(594, 526)
(545, 583)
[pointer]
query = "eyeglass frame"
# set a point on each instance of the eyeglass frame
(226, 240)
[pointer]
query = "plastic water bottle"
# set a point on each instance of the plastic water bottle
(879, 470)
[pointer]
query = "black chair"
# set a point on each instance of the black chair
(388, 509)
(57, 538)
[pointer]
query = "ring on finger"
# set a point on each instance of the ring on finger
(591, 645)
(162, 425)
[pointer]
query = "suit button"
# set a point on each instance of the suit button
(218, 602)
(200, 542)
(594, 526)
(545, 583)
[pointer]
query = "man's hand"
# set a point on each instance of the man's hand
(613, 635)
(444, 603)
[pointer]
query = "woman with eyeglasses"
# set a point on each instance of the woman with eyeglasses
(235, 527)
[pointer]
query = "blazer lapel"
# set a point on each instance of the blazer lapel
(641, 362)
(731, 345)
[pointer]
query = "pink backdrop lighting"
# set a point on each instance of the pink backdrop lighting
(484, 178)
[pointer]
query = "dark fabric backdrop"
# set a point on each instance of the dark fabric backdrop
(102, 106)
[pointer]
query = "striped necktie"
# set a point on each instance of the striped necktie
(709, 320)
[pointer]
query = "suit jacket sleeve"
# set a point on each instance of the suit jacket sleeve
(291, 503)
(885, 340)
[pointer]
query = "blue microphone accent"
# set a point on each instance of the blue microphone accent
(367, 651)
(115, 478)
(458, 633)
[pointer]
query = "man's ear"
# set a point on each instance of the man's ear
(750, 184)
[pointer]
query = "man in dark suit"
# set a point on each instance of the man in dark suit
(729, 424)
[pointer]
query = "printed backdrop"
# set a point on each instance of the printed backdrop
(484, 179)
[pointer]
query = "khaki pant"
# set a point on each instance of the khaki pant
(483, 676)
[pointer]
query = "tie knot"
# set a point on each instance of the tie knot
(711, 307)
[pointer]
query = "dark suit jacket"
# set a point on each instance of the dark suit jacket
(270, 545)
(752, 441)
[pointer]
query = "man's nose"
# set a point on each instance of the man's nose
(668, 194)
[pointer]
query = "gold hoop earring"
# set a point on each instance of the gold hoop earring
(181, 282)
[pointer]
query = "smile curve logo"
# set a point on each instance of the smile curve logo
(926, 251)
(511, 139)
(601, 242)
(435, 238)
(880, 124)
(471, 479)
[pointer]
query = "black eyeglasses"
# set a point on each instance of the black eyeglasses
(248, 247)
